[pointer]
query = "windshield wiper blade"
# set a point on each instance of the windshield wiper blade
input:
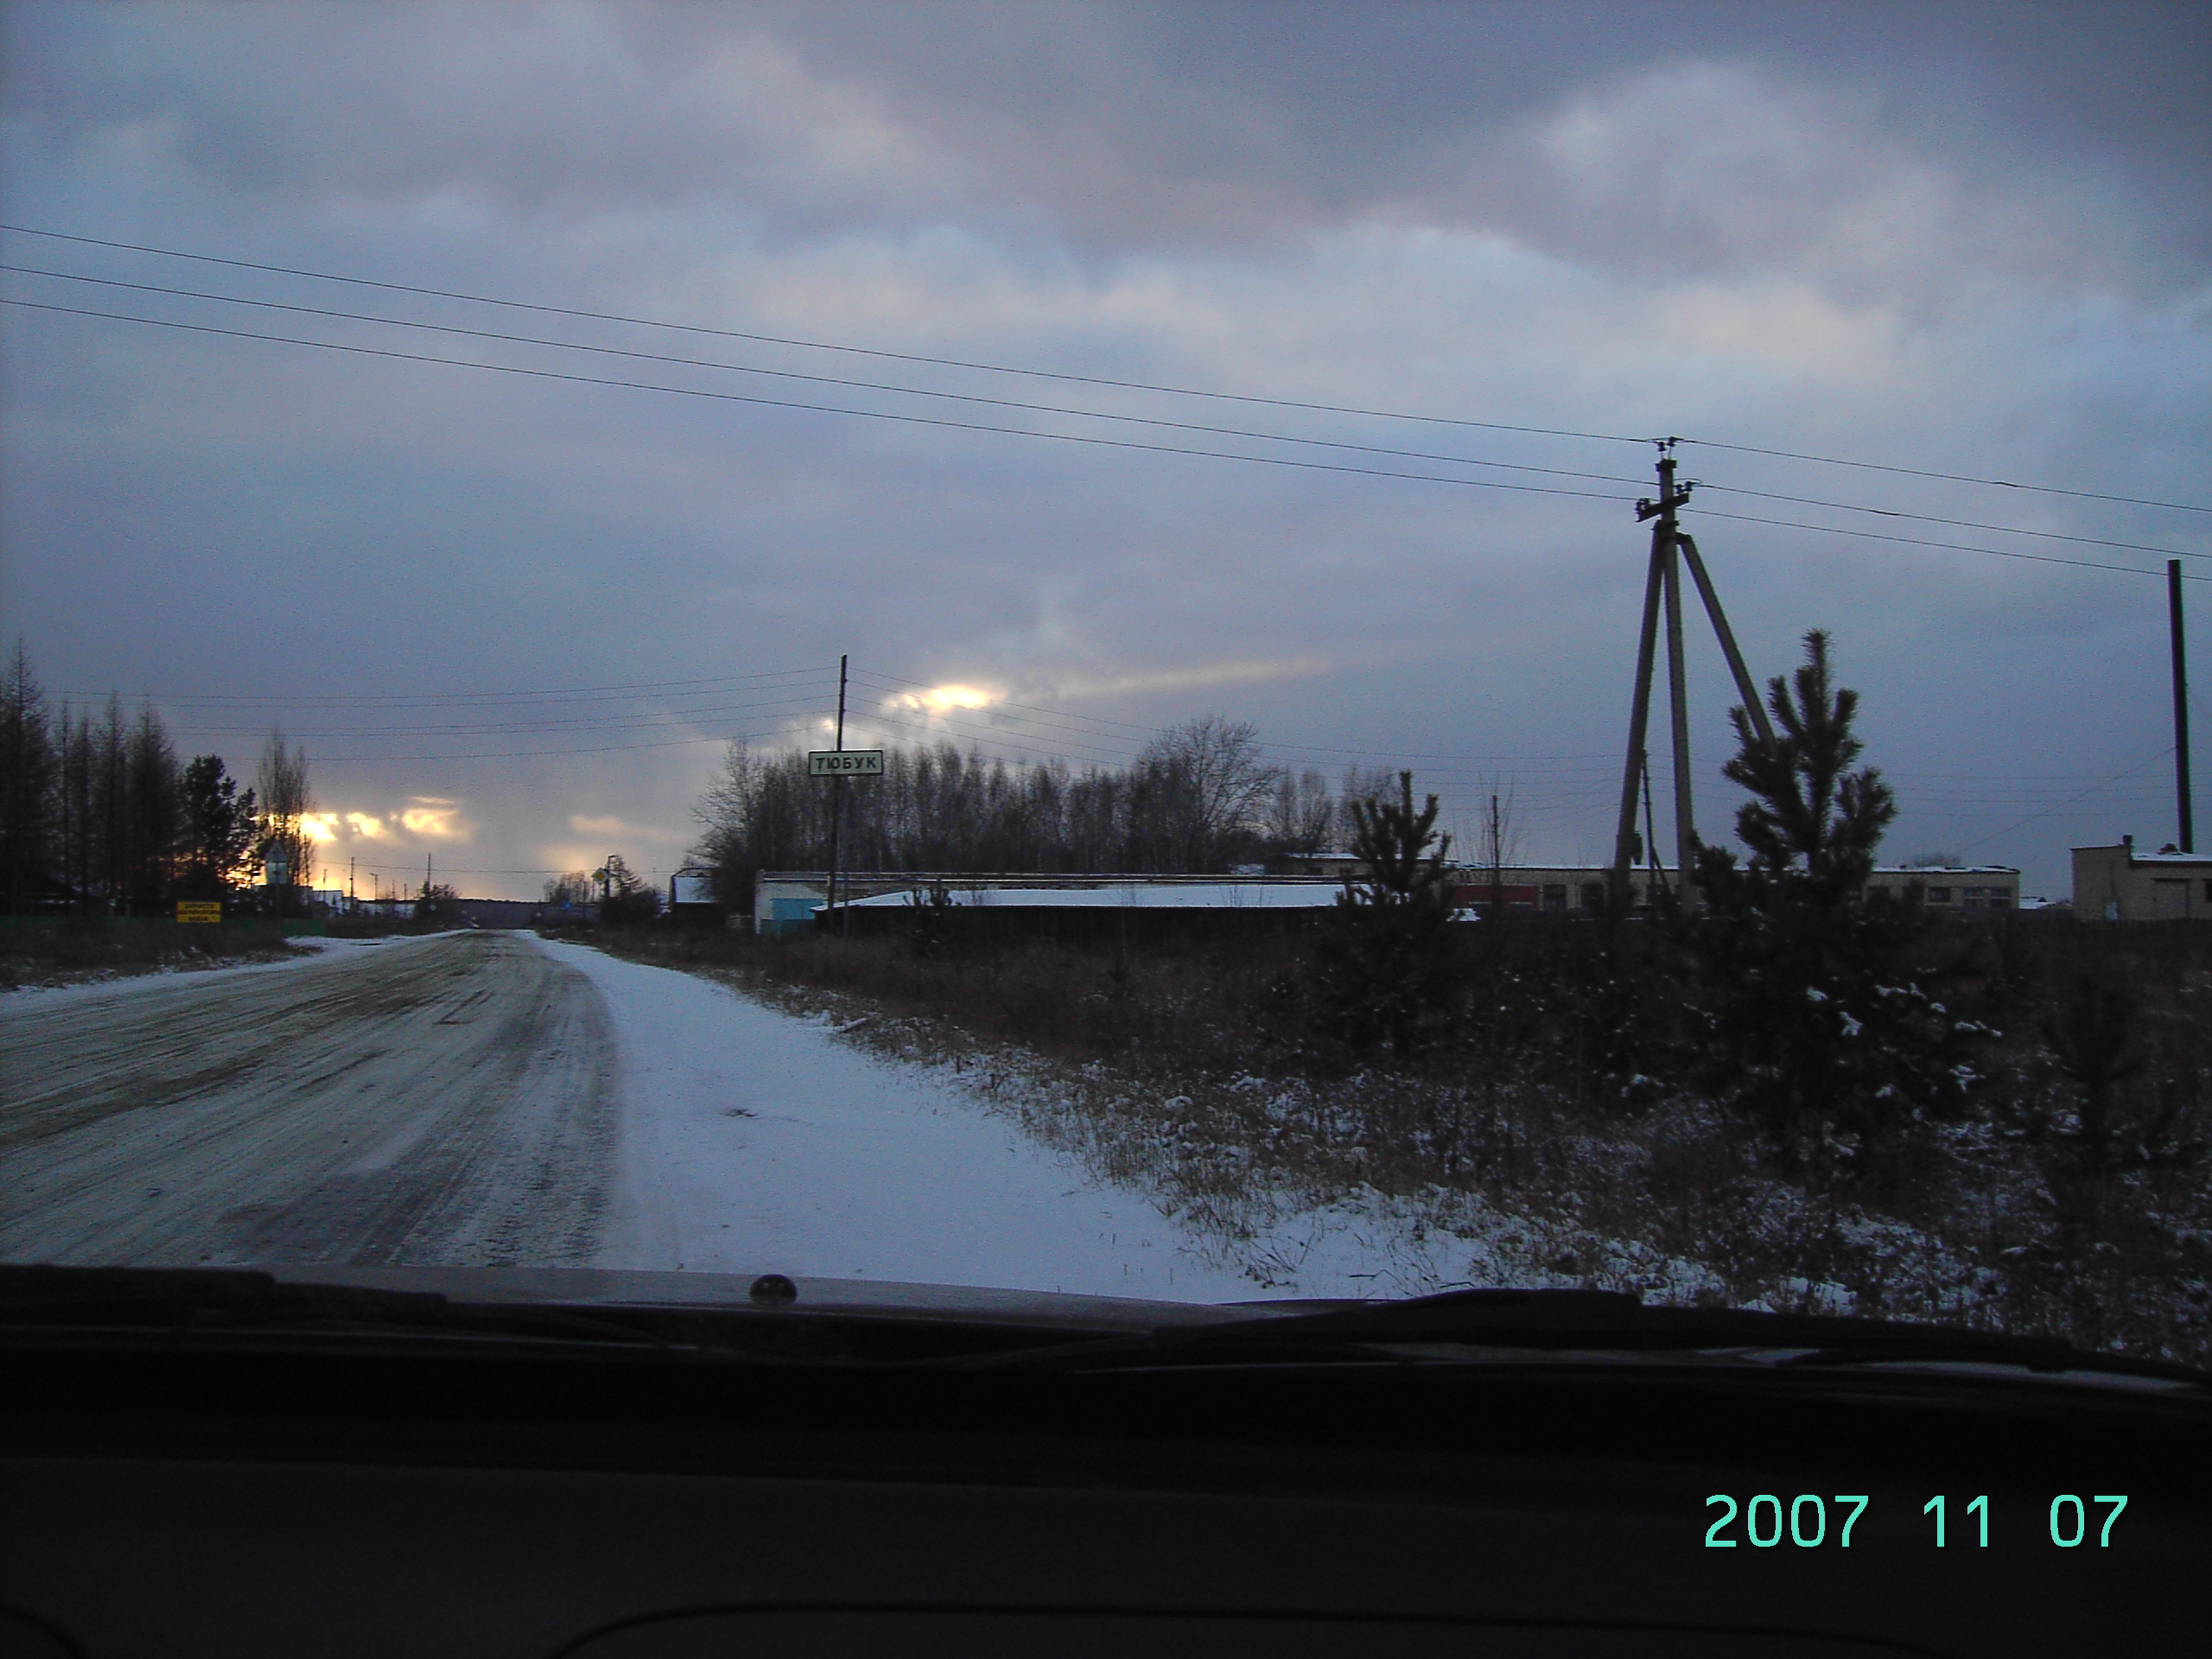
(210, 1300)
(1582, 1320)
(35, 1295)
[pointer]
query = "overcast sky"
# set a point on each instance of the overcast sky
(1971, 240)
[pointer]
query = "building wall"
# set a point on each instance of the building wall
(1983, 888)
(2118, 884)
(784, 902)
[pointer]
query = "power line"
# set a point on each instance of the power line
(826, 345)
(1150, 732)
(522, 754)
(1114, 756)
(1094, 380)
(916, 685)
(1156, 448)
(583, 693)
(1949, 478)
(1596, 764)
(1918, 541)
(1079, 414)
(453, 869)
(1961, 524)
(607, 721)
(2078, 795)
(820, 409)
(863, 385)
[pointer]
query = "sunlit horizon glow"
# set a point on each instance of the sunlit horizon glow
(433, 816)
(943, 699)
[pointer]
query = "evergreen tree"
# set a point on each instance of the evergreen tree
(28, 778)
(152, 825)
(1385, 971)
(72, 743)
(1818, 1013)
(626, 896)
(1810, 816)
(218, 829)
(107, 768)
(438, 901)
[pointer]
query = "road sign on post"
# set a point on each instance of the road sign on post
(199, 910)
(844, 763)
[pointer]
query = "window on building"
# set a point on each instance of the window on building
(1939, 895)
(1593, 894)
(1555, 896)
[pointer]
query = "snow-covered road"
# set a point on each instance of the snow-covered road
(495, 1099)
(750, 1141)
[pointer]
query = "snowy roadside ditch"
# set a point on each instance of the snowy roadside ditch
(752, 1141)
(840, 1142)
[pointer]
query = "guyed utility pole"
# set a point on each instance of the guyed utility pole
(1671, 549)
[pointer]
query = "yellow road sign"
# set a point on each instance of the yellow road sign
(199, 910)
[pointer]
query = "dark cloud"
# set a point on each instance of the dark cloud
(1717, 137)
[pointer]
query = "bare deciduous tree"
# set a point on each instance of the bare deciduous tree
(287, 851)
(1211, 783)
(574, 887)
(1302, 817)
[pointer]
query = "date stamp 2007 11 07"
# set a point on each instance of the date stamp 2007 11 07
(1808, 1520)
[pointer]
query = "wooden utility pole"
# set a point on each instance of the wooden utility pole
(2188, 843)
(1671, 549)
(1678, 697)
(837, 808)
(1745, 687)
(1656, 583)
(1496, 861)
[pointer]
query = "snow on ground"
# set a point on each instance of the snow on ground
(304, 949)
(753, 1141)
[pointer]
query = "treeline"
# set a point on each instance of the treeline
(1196, 800)
(98, 815)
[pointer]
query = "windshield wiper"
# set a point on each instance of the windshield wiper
(1609, 1322)
(200, 1301)
(1456, 1327)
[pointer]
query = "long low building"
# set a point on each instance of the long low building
(1246, 894)
(790, 901)
(2119, 884)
